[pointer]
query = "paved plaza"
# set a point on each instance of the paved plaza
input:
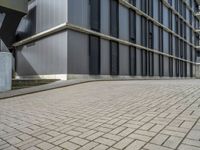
(107, 115)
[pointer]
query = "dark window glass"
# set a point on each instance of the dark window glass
(150, 34)
(133, 2)
(191, 53)
(170, 19)
(181, 48)
(114, 18)
(177, 5)
(177, 68)
(177, 47)
(176, 24)
(150, 63)
(144, 6)
(171, 67)
(144, 35)
(185, 69)
(144, 62)
(94, 55)
(161, 65)
(160, 37)
(132, 26)
(132, 61)
(190, 17)
(160, 11)
(185, 50)
(170, 2)
(191, 70)
(161, 61)
(181, 68)
(171, 53)
(95, 15)
(150, 8)
(191, 35)
(184, 10)
(114, 58)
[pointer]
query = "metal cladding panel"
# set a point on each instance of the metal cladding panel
(166, 42)
(138, 57)
(156, 63)
(105, 18)
(166, 66)
(123, 60)
(17, 5)
(123, 23)
(45, 57)
(78, 53)
(165, 16)
(138, 29)
(155, 37)
(50, 13)
(78, 13)
(105, 57)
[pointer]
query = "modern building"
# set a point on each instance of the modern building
(108, 38)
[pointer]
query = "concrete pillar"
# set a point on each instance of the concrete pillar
(5, 71)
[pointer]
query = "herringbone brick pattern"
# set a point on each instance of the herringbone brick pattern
(115, 115)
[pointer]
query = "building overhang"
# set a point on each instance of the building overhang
(198, 1)
(16, 5)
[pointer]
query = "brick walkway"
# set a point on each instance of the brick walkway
(130, 115)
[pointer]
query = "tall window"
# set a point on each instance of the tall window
(114, 31)
(132, 26)
(176, 24)
(114, 18)
(94, 41)
(144, 37)
(171, 53)
(176, 5)
(95, 15)
(160, 11)
(132, 38)
(150, 8)
(94, 55)
(170, 19)
(150, 45)
(161, 58)
(133, 2)
(144, 6)
(114, 58)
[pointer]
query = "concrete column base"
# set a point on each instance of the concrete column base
(5, 71)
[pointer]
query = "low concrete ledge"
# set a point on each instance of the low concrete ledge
(35, 89)
(62, 84)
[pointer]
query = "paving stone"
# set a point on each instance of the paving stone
(159, 139)
(187, 147)
(136, 145)
(191, 142)
(45, 146)
(89, 146)
(194, 134)
(105, 141)
(156, 147)
(79, 141)
(69, 146)
(172, 142)
(123, 143)
(101, 147)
